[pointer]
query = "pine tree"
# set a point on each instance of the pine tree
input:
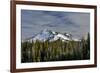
(88, 46)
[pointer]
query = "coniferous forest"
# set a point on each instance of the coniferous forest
(55, 51)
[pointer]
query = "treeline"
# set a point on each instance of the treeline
(55, 51)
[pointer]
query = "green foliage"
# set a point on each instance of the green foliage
(26, 52)
(55, 51)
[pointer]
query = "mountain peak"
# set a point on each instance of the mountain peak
(45, 30)
(51, 36)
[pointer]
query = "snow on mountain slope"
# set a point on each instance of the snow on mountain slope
(44, 35)
(63, 37)
(60, 36)
(51, 36)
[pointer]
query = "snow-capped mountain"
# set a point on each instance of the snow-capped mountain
(51, 36)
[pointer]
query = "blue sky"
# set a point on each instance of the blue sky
(33, 21)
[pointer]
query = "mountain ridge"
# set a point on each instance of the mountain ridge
(49, 35)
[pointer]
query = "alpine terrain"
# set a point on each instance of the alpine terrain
(49, 35)
(54, 46)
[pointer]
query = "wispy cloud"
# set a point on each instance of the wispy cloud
(35, 21)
